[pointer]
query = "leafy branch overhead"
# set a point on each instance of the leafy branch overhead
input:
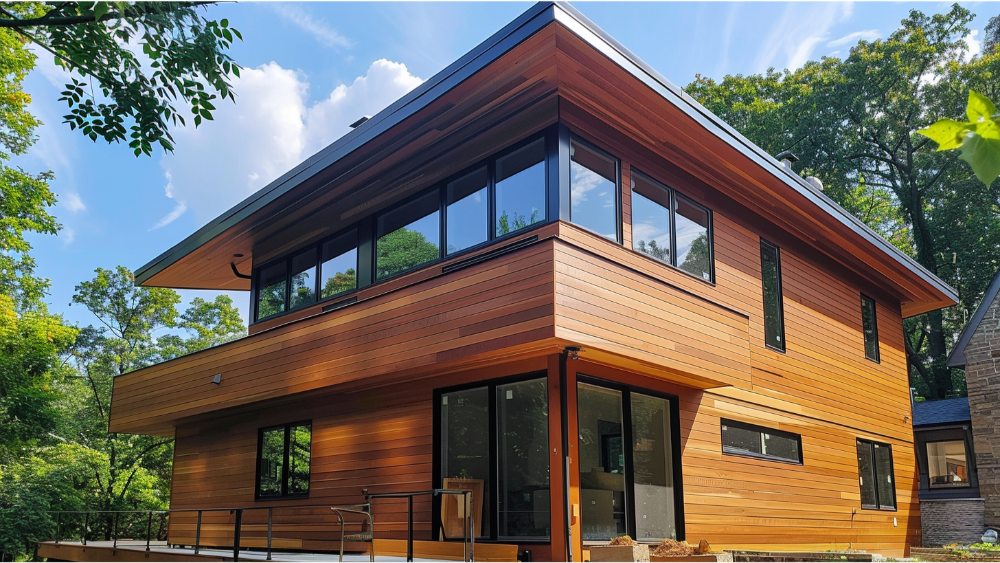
(119, 93)
(978, 138)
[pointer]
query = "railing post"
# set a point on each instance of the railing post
(472, 528)
(58, 523)
(149, 528)
(86, 524)
(270, 513)
(197, 534)
(114, 533)
(236, 534)
(409, 528)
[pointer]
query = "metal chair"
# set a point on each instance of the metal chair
(368, 536)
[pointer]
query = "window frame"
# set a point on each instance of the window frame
(868, 301)
(781, 296)
(619, 220)
(492, 535)
(400, 204)
(875, 477)
(760, 430)
(672, 210)
(968, 468)
(285, 474)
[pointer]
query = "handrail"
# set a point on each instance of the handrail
(469, 538)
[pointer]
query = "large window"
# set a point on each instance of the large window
(339, 265)
(671, 228)
(870, 328)
(774, 312)
(468, 211)
(875, 476)
(627, 464)
(946, 465)
(407, 236)
(516, 413)
(283, 460)
(739, 438)
(593, 178)
(520, 188)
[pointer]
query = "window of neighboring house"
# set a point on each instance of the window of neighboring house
(272, 283)
(339, 265)
(520, 188)
(283, 461)
(875, 475)
(869, 327)
(467, 211)
(671, 228)
(749, 440)
(408, 236)
(593, 190)
(946, 464)
(774, 315)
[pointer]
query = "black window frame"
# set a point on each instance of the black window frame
(968, 465)
(676, 458)
(876, 477)
(764, 244)
(868, 302)
(672, 210)
(574, 138)
(285, 473)
(760, 430)
(493, 534)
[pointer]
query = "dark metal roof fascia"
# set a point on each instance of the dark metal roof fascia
(485, 53)
(522, 27)
(957, 357)
(610, 47)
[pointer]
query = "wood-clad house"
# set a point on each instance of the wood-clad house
(549, 275)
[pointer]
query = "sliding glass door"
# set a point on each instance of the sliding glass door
(627, 470)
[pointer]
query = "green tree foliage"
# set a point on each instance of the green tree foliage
(978, 139)
(118, 93)
(507, 225)
(401, 250)
(655, 250)
(853, 122)
(340, 282)
(698, 260)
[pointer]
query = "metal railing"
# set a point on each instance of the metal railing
(469, 539)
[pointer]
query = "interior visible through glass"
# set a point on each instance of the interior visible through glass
(652, 455)
(520, 188)
(523, 424)
(465, 458)
(593, 190)
(272, 462)
(946, 465)
(408, 236)
(271, 297)
(468, 211)
(303, 279)
(339, 265)
(866, 474)
(694, 254)
(650, 218)
(602, 462)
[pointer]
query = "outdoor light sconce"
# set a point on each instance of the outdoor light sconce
(217, 379)
(574, 352)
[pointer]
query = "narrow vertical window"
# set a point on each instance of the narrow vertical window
(338, 265)
(468, 222)
(523, 445)
(875, 475)
(593, 190)
(520, 188)
(650, 218)
(303, 290)
(271, 286)
(774, 316)
(870, 328)
(694, 250)
(284, 457)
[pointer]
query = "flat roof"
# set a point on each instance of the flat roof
(522, 27)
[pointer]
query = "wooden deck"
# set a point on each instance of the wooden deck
(385, 550)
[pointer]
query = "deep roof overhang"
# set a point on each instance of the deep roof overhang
(936, 293)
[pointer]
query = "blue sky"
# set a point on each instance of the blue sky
(310, 69)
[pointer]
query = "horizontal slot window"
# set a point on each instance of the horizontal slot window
(739, 438)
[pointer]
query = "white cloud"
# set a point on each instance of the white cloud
(269, 130)
(73, 202)
(315, 27)
(975, 47)
(67, 236)
(867, 35)
(795, 36)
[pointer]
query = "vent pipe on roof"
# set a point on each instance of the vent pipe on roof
(815, 182)
(787, 158)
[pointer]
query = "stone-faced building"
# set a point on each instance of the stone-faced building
(978, 351)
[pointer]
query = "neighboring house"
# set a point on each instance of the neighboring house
(951, 510)
(549, 276)
(977, 351)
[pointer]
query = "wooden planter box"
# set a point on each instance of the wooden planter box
(619, 553)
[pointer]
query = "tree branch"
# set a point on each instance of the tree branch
(137, 10)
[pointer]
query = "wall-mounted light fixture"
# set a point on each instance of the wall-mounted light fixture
(217, 379)
(574, 352)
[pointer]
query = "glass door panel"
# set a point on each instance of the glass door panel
(602, 462)
(465, 458)
(523, 420)
(652, 454)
